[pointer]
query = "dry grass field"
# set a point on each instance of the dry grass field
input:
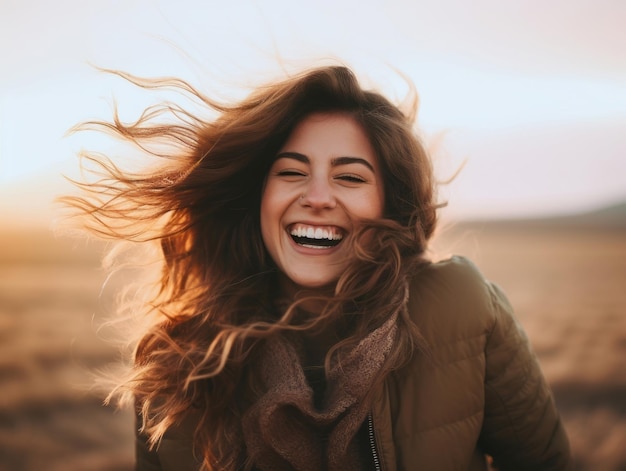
(568, 287)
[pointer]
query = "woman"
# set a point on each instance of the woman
(298, 322)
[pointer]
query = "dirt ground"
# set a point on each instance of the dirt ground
(568, 288)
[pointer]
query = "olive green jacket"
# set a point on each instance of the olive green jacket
(478, 391)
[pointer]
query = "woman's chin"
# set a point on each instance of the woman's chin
(308, 285)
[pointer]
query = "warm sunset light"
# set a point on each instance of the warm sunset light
(526, 98)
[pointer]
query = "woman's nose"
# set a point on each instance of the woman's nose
(318, 194)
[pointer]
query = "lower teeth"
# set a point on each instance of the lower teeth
(309, 246)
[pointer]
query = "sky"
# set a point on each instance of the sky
(528, 97)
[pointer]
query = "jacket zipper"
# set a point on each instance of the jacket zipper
(372, 438)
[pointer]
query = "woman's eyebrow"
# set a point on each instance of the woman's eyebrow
(293, 155)
(351, 160)
(337, 161)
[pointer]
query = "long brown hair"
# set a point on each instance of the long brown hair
(216, 301)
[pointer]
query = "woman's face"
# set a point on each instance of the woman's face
(324, 180)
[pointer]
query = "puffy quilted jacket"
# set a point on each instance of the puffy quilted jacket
(478, 391)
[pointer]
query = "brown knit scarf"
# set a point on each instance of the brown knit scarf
(283, 430)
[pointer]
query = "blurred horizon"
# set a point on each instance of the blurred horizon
(29, 204)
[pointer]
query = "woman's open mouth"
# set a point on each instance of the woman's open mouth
(316, 237)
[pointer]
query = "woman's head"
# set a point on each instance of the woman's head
(205, 204)
(237, 152)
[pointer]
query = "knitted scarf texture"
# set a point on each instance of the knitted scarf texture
(283, 430)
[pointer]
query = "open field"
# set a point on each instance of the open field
(568, 287)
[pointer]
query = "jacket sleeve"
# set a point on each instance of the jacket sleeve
(521, 428)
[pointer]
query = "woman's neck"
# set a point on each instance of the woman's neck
(290, 292)
(318, 339)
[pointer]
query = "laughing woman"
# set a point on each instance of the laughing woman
(298, 323)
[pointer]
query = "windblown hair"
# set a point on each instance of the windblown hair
(218, 299)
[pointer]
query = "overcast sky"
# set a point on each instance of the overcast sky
(530, 94)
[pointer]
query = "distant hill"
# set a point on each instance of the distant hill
(32, 244)
(612, 218)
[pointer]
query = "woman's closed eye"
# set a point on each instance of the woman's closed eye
(290, 173)
(351, 178)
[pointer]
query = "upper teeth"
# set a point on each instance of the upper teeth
(315, 233)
